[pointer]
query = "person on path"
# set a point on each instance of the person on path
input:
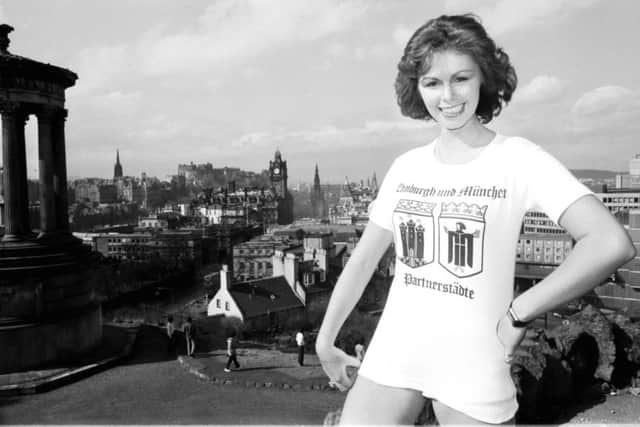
(231, 353)
(189, 334)
(453, 209)
(359, 350)
(171, 335)
(300, 343)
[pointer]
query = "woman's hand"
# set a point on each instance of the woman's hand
(334, 363)
(509, 336)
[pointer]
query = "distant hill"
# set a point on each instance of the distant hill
(595, 174)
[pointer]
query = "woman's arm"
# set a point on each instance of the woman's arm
(352, 281)
(601, 246)
(351, 284)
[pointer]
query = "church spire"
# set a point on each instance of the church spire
(316, 178)
(117, 169)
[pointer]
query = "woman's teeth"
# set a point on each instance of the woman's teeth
(456, 109)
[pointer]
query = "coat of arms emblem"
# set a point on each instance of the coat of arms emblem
(414, 232)
(461, 238)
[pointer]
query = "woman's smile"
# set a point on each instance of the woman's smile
(452, 111)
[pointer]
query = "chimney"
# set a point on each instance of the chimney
(291, 270)
(225, 277)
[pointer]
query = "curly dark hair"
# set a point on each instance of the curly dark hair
(465, 34)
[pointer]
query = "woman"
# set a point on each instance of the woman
(170, 329)
(189, 335)
(453, 209)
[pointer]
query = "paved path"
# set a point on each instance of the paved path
(153, 388)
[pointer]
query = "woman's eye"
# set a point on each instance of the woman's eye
(461, 79)
(428, 83)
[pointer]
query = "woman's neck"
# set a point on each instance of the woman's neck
(462, 145)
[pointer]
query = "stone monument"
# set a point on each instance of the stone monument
(48, 309)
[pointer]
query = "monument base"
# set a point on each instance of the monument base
(52, 341)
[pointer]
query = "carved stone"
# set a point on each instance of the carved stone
(48, 311)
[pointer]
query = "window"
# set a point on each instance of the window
(226, 306)
(217, 302)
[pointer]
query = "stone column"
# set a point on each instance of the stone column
(60, 173)
(46, 119)
(16, 198)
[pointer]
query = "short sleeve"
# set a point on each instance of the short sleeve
(381, 210)
(551, 187)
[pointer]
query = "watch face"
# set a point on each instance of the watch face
(276, 170)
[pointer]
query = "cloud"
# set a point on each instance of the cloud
(612, 109)
(401, 36)
(504, 16)
(118, 103)
(330, 137)
(3, 15)
(96, 66)
(605, 99)
(541, 88)
(230, 31)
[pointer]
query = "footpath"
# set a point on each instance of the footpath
(259, 368)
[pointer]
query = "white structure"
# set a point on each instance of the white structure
(223, 302)
(153, 222)
(287, 265)
(632, 179)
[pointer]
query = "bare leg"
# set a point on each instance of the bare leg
(449, 416)
(371, 403)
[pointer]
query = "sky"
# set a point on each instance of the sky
(229, 82)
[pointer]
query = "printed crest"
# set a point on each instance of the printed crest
(461, 238)
(414, 230)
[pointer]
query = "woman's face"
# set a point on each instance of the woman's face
(450, 88)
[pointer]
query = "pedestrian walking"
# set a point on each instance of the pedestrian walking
(359, 350)
(300, 343)
(189, 330)
(231, 352)
(171, 335)
(453, 209)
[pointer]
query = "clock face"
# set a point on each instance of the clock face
(276, 171)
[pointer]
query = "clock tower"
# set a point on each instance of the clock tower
(278, 177)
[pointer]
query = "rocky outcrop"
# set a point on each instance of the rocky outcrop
(576, 337)
(587, 353)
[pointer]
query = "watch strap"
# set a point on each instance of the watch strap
(515, 320)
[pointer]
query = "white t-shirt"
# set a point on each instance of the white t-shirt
(455, 229)
(300, 339)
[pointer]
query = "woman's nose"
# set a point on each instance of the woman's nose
(447, 92)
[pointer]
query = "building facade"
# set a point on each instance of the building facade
(354, 201)
(632, 179)
(543, 248)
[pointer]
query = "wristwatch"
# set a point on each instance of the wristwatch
(515, 320)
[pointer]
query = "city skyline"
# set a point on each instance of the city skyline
(230, 82)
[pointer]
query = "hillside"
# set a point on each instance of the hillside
(595, 174)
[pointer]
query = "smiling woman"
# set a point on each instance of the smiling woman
(455, 238)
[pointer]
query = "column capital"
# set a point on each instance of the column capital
(46, 112)
(62, 114)
(11, 107)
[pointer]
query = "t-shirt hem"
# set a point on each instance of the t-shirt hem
(429, 394)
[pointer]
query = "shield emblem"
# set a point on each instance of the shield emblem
(413, 230)
(461, 238)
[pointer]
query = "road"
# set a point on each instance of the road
(152, 389)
